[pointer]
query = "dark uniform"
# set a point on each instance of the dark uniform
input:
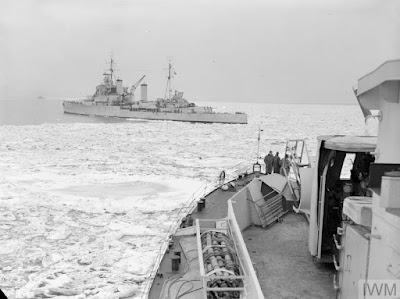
(276, 163)
(268, 162)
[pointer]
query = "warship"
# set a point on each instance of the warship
(307, 232)
(112, 99)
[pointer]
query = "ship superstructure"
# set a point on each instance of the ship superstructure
(368, 241)
(246, 237)
(111, 91)
(112, 99)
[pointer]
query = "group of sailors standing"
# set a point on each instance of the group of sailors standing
(274, 164)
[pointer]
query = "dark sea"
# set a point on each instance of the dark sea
(35, 111)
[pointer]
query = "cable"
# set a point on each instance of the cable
(188, 291)
(181, 275)
(186, 253)
(184, 282)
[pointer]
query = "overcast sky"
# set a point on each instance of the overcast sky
(293, 51)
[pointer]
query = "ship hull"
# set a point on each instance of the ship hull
(116, 111)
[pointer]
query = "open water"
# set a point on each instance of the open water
(34, 111)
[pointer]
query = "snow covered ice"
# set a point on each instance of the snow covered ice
(84, 208)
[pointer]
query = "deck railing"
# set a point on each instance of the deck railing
(252, 285)
(234, 172)
(187, 208)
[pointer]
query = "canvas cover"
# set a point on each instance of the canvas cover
(359, 209)
(354, 144)
(275, 181)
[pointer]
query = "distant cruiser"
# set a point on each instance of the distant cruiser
(111, 99)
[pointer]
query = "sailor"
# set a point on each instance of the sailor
(268, 162)
(276, 162)
(285, 166)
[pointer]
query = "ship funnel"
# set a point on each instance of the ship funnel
(143, 92)
(120, 89)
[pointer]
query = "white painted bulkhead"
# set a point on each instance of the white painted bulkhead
(143, 92)
(371, 254)
(241, 214)
(380, 90)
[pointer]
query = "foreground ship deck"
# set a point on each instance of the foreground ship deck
(283, 263)
(279, 255)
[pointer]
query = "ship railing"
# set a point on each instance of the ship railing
(187, 208)
(297, 152)
(233, 173)
(207, 187)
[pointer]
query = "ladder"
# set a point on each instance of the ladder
(297, 152)
(271, 209)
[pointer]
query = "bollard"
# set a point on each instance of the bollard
(178, 254)
(183, 222)
(175, 263)
(200, 205)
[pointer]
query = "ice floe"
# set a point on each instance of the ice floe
(85, 207)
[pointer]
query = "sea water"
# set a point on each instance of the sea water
(86, 202)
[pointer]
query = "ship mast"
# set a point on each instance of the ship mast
(258, 142)
(112, 71)
(168, 89)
